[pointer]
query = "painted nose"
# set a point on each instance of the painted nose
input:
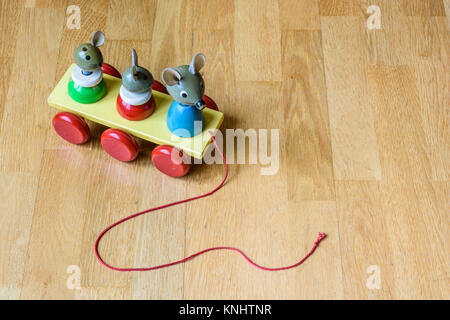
(200, 104)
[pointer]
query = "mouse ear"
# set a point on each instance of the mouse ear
(198, 61)
(98, 38)
(134, 72)
(134, 58)
(170, 76)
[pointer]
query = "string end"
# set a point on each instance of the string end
(320, 237)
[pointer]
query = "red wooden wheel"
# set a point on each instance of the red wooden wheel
(109, 69)
(158, 86)
(71, 127)
(171, 161)
(119, 145)
(210, 103)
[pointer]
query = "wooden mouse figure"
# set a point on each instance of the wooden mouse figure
(135, 100)
(87, 84)
(185, 84)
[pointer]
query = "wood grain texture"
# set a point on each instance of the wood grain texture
(172, 35)
(5, 75)
(407, 191)
(57, 220)
(364, 242)
(130, 20)
(30, 109)
(424, 7)
(306, 13)
(447, 11)
(432, 80)
(16, 214)
(44, 3)
(257, 41)
(402, 147)
(363, 119)
(339, 7)
(355, 154)
(9, 15)
(308, 148)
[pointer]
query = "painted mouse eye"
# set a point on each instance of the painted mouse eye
(183, 94)
(88, 57)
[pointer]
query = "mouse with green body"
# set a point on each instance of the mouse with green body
(186, 86)
(87, 84)
(88, 56)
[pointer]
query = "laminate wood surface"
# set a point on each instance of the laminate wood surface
(364, 153)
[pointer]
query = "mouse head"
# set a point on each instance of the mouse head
(185, 84)
(88, 56)
(135, 78)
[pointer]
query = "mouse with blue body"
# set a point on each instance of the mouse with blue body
(186, 86)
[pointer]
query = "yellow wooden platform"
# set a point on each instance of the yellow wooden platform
(153, 128)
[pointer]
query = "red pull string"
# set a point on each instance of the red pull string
(320, 237)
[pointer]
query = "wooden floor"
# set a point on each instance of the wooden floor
(364, 153)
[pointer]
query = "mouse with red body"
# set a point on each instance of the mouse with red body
(135, 100)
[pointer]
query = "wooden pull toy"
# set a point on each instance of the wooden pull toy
(160, 117)
(136, 105)
(135, 100)
(185, 84)
(87, 85)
